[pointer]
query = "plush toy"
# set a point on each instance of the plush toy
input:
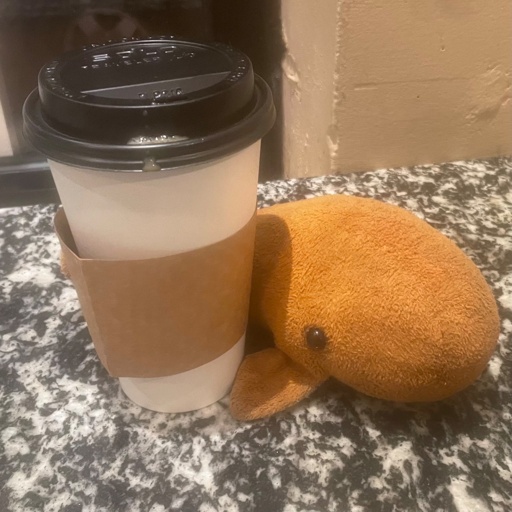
(367, 293)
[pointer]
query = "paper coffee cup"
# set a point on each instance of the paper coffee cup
(154, 148)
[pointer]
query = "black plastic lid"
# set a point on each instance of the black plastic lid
(155, 101)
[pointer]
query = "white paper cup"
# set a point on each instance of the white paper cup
(117, 215)
(128, 216)
(167, 195)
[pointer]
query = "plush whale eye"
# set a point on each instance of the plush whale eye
(316, 338)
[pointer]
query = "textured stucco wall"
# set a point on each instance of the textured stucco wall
(309, 32)
(379, 83)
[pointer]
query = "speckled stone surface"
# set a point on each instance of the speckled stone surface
(70, 441)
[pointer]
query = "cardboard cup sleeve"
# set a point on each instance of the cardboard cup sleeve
(163, 316)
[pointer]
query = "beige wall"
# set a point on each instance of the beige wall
(309, 31)
(379, 83)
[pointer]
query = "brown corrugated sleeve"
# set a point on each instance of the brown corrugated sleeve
(162, 316)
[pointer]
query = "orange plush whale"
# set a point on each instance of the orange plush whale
(367, 293)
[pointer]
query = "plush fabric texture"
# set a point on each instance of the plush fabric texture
(407, 315)
(271, 380)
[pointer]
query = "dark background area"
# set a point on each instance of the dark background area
(34, 31)
(254, 27)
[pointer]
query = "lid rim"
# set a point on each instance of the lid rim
(130, 158)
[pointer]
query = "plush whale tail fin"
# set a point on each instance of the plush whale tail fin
(268, 382)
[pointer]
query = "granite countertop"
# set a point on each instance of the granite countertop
(70, 441)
